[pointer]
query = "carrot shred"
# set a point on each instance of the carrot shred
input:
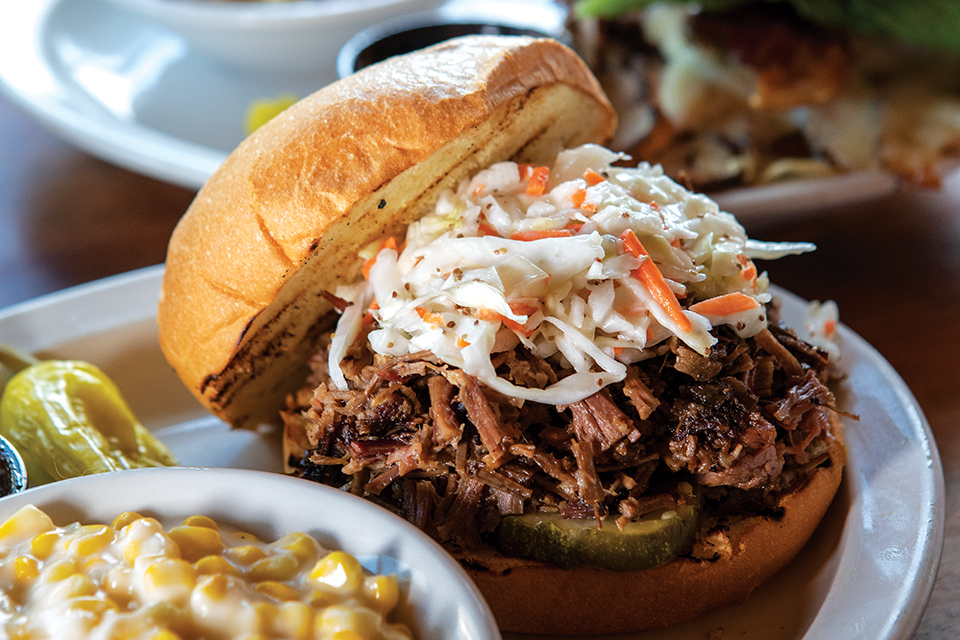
(538, 181)
(486, 230)
(574, 227)
(527, 236)
(428, 317)
(749, 270)
(523, 308)
(367, 266)
(525, 170)
(493, 316)
(516, 326)
(830, 327)
(461, 343)
(725, 305)
(477, 190)
(578, 197)
(650, 276)
(592, 177)
(388, 243)
(487, 314)
(589, 207)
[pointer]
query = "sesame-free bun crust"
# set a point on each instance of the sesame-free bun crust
(539, 598)
(282, 219)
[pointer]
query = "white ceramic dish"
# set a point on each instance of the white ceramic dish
(138, 95)
(867, 573)
(418, 30)
(270, 505)
(291, 36)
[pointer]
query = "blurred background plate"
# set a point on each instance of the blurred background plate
(867, 572)
(121, 85)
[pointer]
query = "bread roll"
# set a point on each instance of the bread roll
(281, 221)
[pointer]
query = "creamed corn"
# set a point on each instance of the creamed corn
(196, 581)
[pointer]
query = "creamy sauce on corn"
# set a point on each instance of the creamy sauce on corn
(134, 580)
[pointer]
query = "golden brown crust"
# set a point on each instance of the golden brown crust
(607, 602)
(280, 222)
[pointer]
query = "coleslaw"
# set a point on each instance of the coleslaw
(589, 265)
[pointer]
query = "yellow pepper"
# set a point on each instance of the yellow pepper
(67, 419)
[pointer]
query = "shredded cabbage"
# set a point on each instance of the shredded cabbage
(502, 261)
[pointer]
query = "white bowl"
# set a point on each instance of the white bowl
(287, 36)
(441, 601)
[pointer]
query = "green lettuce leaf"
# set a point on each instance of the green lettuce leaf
(930, 24)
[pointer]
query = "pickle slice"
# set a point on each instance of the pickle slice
(655, 538)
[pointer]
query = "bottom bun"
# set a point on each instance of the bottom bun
(539, 598)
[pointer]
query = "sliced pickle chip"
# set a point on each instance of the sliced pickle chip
(653, 539)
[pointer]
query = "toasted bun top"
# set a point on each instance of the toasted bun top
(282, 219)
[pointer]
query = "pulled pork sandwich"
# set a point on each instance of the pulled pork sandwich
(462, 308)
(727, 93)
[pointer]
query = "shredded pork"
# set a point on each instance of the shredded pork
(454, 457)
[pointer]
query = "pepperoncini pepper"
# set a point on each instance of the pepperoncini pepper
(67, 419)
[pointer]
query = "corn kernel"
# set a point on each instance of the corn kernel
(60, 570)
(170, 579)
(276, 590)
(91, 539)
(77, 586)
(91, 605)
(201, 521)
(338, 570)
(26, 568)
(339, 619)
(304, 547)
(245, 554)
(118, 584)
(124, 519)
(142, 538)
(261, 616)
(196, 542)
(215, 564)
(281, 566)
(294, 620)
(23, 525)
(322, 599)
(214, 587)
(42, 545)
(382, 593)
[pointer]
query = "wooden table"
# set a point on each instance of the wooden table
(893, 265)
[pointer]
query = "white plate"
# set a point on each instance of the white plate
(130, 91)
(136, 95)
(271, 505)
(867, 573)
